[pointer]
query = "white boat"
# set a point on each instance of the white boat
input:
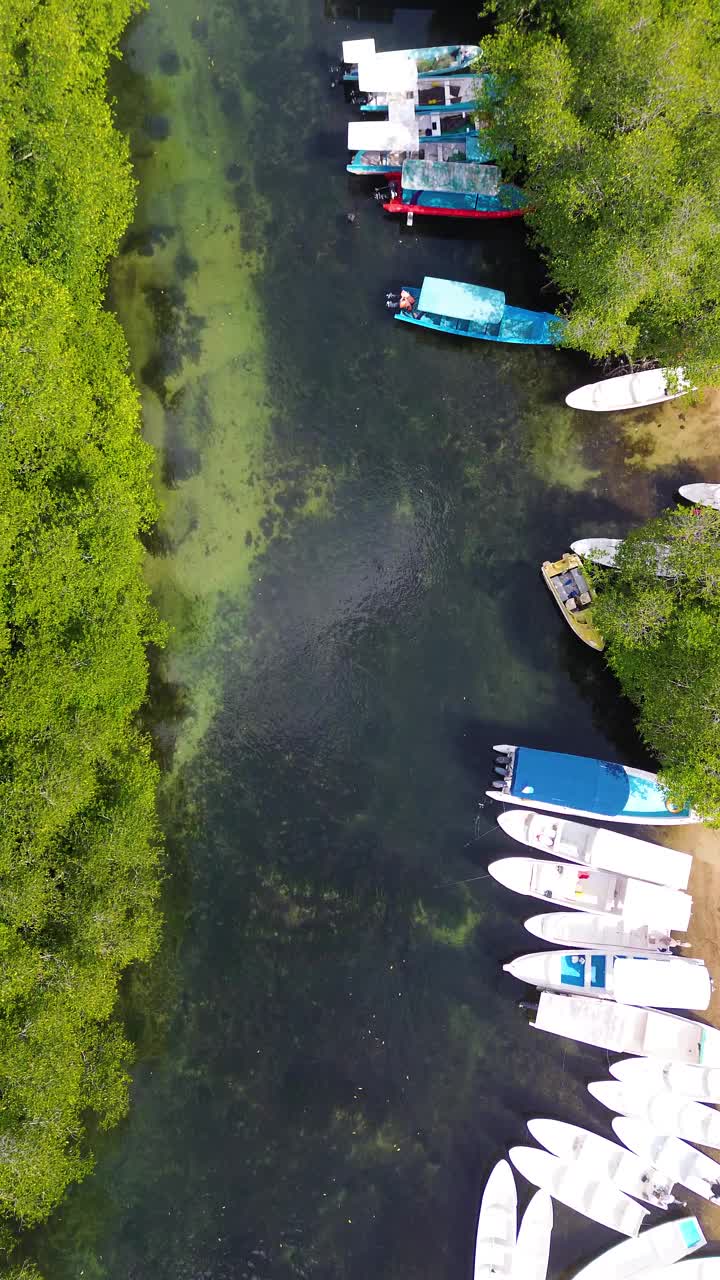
(628, 391)
(497, 1225)
(694, 1269)
(676, 1117)
(597, 892)
(705, 495)
(678, 1159)
(532, 1251)
(606, 1159)
(658, 1247)
(700, 1083)
(579, 1190)
(666, 982)
(598, 847)
(583, 787)
(602, 933)
(604, 551)
(623, 1028)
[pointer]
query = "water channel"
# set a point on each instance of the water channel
(353, 516)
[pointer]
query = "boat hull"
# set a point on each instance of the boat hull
(428, 211)
(659, 1246)
(542, 779)
(629, 391)
(668, 1114)
(702, 1084)
(679, 1160)
(519, 326)
(705, 495)
(532, 1251)
(595, 892)
(588, 1195)
(580, 621)
(666, 982)
(496, 1234)
(623, 1028)
(600, 932)
(606, 1159)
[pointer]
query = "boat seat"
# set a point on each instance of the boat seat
(585, 597)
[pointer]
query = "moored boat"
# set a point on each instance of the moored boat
(705, 495)
(700, 1083)
(382, 147)
(603, 892)
(497, 1225)
(532, 1251)
(584, 787)
(629, 391)
(608, 1160)
(679, 1160)
(385, 83)
(604, 551)
(598, 847)
(579, 1190)
(623, 1028)
(611, 933)
(666, 982)
(659, 1246)
(455, 189)
(572, 594)
(446, 58)
(669, 1114)
(473, 311)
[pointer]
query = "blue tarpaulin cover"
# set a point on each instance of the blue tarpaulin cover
(595, 786)
(461, 301)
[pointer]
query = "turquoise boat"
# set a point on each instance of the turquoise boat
(457, 188)
(472, 311)
(450, 139)
(439, 94)
(436, 59)
(585, 787)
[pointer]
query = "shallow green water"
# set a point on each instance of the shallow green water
(353, 518)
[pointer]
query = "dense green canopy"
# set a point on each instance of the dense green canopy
(663, 642)
(611, 109)
(78, 840)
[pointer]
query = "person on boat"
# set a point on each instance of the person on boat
(407, 302)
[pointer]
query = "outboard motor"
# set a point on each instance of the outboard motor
(357, 99)
(335, 71)
(382, 194)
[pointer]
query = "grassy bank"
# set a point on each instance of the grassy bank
(78, 838)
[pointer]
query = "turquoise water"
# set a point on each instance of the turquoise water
(330, 1057)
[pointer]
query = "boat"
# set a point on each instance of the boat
(700, 1083)
(473, 311)
(582, 1191)
(532, 1251)
(705, 495)
(497, 1225)
(604, 551)
(447, 58)
(623, 1028)
(393, 80)
(670, 1115)
(584, 787)
(572, 594)
(628, 391)
(606, 1159)
(667, 982)
(597, 892)
(658, 1247)
(678, 1159)
(381, 147)
(580, 929)
(454, 189)
(598, 847)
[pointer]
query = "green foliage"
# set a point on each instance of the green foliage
(663, 642)
(78, 839)
(613, 110)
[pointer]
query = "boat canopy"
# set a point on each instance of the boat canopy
(670, 982)
(626, 1029)
(579, 782)
(436, 175)
(358, 50)
(382, 135)
(387, 73)
(462, 302)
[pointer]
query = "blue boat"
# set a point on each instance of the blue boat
(436, 59)
(450, 137)
(459, 188)
(472, 311)
(440, 94)
(583, 786)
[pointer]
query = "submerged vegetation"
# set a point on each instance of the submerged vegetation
(78, 843)
(608, 111)
(663, 643)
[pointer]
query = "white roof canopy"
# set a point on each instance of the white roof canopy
(354, 50)
(387, 73)
(381, 135)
